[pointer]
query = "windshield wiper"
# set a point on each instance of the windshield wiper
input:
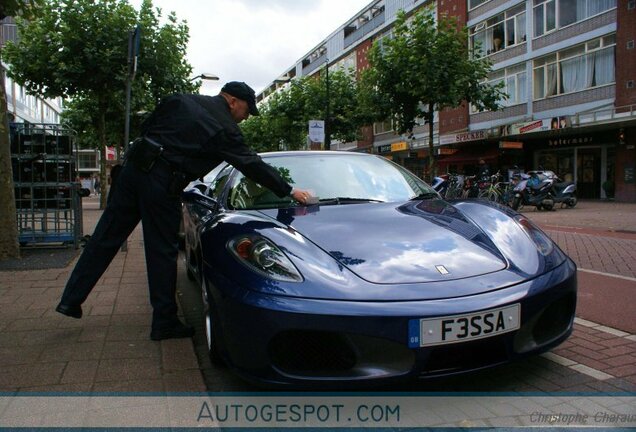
(347, 200)
(425, 195)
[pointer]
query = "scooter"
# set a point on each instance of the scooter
(533, 190)
(562, 192)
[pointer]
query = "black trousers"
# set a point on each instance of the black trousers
(136, 196)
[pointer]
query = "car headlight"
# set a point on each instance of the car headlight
(541, 240)
(264, 257)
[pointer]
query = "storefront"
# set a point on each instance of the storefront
(415, 160)
(597, 157)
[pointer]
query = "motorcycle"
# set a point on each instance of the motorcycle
(440, 184)
(562, 192)
(531, 189)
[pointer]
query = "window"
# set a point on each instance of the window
(382, 127)
(87, 160)
(578, 68)
(552, 14)
(499, 32)
(472, 4)
(515, 81)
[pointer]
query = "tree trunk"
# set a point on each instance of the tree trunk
(432, 168)
(9, 245)
(102, 157)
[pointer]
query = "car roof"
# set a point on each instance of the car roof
(310, 152)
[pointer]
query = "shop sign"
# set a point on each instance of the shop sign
(463, 137)
(570, 141)
(510, 145)
(399, 146)
(111, 153)
(446, 151)
(534, 126)
(384, 148)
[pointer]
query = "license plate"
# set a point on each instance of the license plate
(460, 328)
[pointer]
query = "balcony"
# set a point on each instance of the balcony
(315, 64)
(364, 30)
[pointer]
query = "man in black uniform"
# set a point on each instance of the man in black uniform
(185, 137)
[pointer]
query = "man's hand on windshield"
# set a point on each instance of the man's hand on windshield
(304, 196)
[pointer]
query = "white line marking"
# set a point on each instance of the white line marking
(595, 373)
(606, 329)
(607, 274)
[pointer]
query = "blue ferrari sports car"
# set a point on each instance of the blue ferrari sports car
(378, 280)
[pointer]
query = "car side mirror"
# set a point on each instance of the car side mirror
(194, 196)
(84, 192)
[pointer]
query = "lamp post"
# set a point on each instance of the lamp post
(327, 113)
(134, 39)
(282, 80)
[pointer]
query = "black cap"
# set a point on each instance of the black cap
(244, 92)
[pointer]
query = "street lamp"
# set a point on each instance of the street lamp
(282, 80)
(327, 114)
(206, 76)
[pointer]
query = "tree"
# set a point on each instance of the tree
(79, 50)
(426, 67)
(285, 116)
(9, 245)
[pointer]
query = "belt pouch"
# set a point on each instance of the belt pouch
(145, 153)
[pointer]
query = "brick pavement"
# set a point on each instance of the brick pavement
(601, 239)
(107, 350)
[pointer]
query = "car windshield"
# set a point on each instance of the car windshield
(334, 178)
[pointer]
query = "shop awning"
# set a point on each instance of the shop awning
(472, 155)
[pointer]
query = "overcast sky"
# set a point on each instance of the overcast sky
(254, 40)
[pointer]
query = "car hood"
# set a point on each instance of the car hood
(388, 243)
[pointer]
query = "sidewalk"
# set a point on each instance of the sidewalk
(108, 350)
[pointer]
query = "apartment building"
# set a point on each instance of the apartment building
(569, 69)
(23, 107)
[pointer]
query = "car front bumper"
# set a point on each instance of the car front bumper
(309, 342)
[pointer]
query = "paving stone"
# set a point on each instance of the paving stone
(130, 349)
(82, 371)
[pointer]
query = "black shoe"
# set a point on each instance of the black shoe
(178, 331)
(69, 310)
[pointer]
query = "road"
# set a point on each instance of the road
(600, 356)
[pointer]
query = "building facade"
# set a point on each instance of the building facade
(23, 107)
(569, 69)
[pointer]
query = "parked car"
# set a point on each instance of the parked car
(381, 280)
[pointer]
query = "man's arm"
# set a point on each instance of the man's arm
(234, 151)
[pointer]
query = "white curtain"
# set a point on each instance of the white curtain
(551, 89)
(521, 87)
(511, 89)
(520, 28)
(571, 11)
(598, 6)
(604, 66)
(573, 73)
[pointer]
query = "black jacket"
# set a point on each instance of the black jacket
(198, 132)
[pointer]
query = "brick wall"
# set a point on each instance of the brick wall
(625, 57)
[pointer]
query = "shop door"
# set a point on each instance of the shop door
(588, 164)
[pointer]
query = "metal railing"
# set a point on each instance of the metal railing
(605, 115)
